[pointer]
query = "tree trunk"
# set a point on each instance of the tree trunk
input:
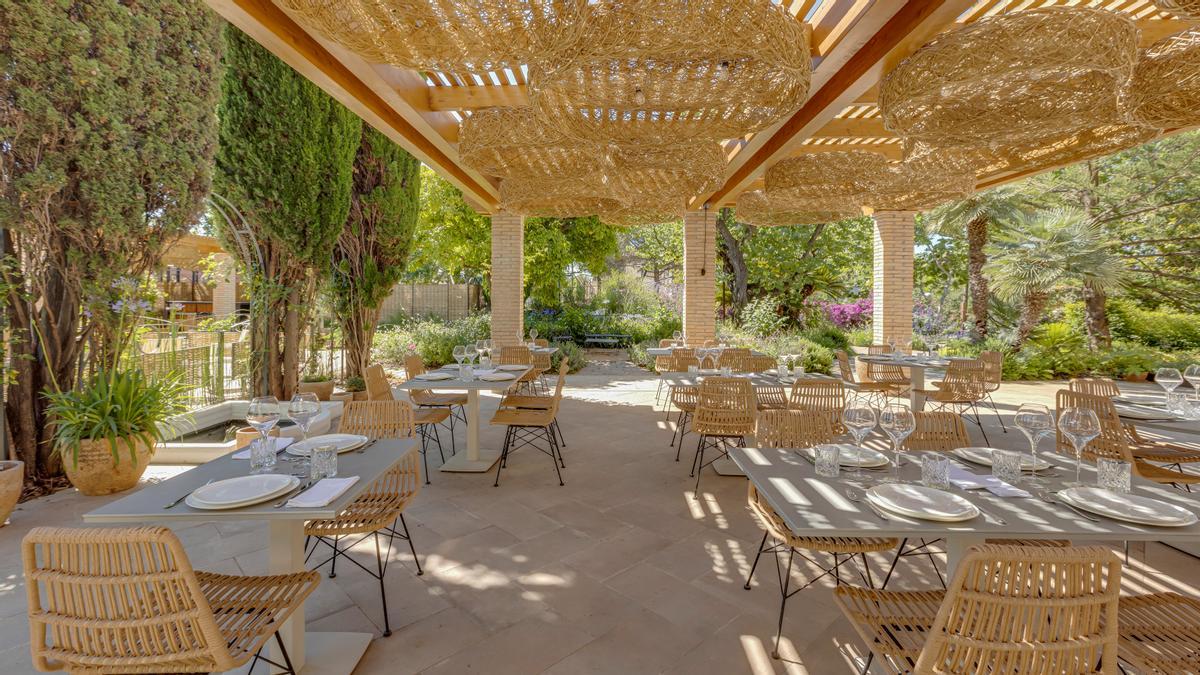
(1096, 316)
(291, 346)
(737, 263)
(977, 236)
(1031, 314)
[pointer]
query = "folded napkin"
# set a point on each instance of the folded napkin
(966, 480)
(323, 492)
(280, 443)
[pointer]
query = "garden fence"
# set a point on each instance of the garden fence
(445, 301)
(213, 366)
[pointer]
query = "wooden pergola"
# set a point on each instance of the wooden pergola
(854, 44)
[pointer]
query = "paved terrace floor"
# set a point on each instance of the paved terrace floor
(621, 571)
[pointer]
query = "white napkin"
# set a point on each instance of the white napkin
(966, 480)
(323, 493)
(280, 443)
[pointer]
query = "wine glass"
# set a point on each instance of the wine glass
(459, 353)
(533, 336)
(1192, 375)
(898, 422)
(263, 415)
(469, 353)
(1080, 426)
(677, 337)
(860, 419)
(303, 408)
(1036, 422)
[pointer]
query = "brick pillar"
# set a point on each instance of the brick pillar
(508, 278)
(893, 276)
(699, 276)
(224, 298)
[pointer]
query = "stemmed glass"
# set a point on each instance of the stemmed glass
(1192, 375)
(533, 336)
(303, 407)
(1168, 379)
(1080, 426)
(898, 422)
(860, 419)
(1036, 422)
(469, 353)
(459, 353)
(677, 336)
(263, 415)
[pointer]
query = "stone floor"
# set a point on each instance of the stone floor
(621, 571)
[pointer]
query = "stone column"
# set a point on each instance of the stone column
(893, 276)
(699, 276)
(508, 278)
(224, 298)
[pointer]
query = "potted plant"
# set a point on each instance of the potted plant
(356, 386)
(316, 383)
(1132, 363)
(12, 479)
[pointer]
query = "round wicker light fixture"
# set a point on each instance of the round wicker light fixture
(508, 142)
(644, 210)
(551, 197)
(1165, 89)
(844, 177)
(917, 186)
(447, 35)
(1184, 9)
(690, 167)
(660, 71)
(756, 208)
(1013, 78)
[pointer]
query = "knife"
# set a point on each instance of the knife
(303, 486)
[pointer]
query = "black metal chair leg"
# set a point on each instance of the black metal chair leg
(749, 577)
(553, 450)
(287, 660)
(503, 456)
(892, 567)
(387, 626)
(333, 564)
(785, 583)
(413, 549)
(699, 469)
(558, 428)
(424, 456)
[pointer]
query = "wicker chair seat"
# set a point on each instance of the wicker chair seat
(430, 415)
(377, 507)
(954, 393)
(1160, 451)
(773, 524)
(1160, 633)
(893, 623)
(523, 418)
(771, 397)
(1052, 543)
(427, 398)
(685, 398)
(527, 401)
(1161, 474)
(249, 607)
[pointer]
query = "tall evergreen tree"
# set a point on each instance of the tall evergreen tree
(285, 161)
(372, 250)
(107, 134)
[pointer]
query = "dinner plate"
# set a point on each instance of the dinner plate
(852, 456)
(498, 377)
(511, 366)
(1143, 412)
(233, 493)
(1128, 507)
(918, 501)
(344, 443)
(983, 457)
(435, 375)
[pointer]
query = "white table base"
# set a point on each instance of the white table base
(727, 467)
(475, 459)
(916, 375)
(326, 654)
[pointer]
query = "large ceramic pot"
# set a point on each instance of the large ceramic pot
(96, 474)
(12, 478)
(323, 390)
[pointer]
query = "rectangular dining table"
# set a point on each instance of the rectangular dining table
(476, 459)
(311, 653)
(916, 366)
(667, 351)
(813, 506)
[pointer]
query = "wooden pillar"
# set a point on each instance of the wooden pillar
(508, 278)
(699, 276)
(893, 277)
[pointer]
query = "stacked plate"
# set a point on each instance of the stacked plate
(435, 375)
(1127, 507)
(983, 457)
(343, 443)
(854, 456)
(241, 491)
(512, 366)
(925, 503)
(499, 377)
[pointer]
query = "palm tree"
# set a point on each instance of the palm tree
(976, 215)
(1039, 251)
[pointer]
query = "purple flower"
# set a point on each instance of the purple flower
(849, 314)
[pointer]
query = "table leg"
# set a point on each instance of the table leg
(473, 425)
(916, 381)
(956, 547)
(476, 459)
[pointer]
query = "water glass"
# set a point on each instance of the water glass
(468, 372)
(935, 470)
(828, 460)
(1006, 466)
(693, 369)
(1112, 474)
(1177, 404)
(323, 462)
(781, 370)
(262, 455)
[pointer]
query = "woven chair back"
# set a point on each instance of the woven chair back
(379, 505)
(844, 369)
(541, 361)
(884, 373)
(118, 600)
(413, 366)
(758, 364)
(813, 394)
(793, 429)
(708, 344)
(733, 357)
(1033, 610)
(993, 368)
(965, 380)
(1113, 441)
(377, 419)
(666, 342)
(877, 350)
(938, 431)
(680, 363)
(541, 342)
(1096, 386)
(378, 387)
(726, 407)
(514, 355)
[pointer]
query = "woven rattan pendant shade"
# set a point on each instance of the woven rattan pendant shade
(1165, 89)
(838, 177)
(447, 35)
(918, 185)
(552, 197)
(509, 142)
(755, 208)
(1013, 78)
(644, 210)
(690, 167)
(1184, 9)
(661, 71)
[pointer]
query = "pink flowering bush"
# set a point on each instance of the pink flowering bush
(849, 315)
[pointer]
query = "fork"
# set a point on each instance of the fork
(186, 495)
(1049, 498)
(367, 445)
(855, 495)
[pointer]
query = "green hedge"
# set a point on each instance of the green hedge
(432, 339)
(1161, 329)
(577, 322)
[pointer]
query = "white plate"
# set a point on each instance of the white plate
(435, 375)
(855, 456)
(233, 493)
(344, 443)
(1143, 412)
(1131, 508)
(983, 457)
(498, 377)
(511, 366)
(918, 501)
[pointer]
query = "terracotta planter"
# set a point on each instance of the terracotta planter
(360, 396)
(343, 396)
(323, 390)
(244, 435)
(12, 478)
(96, 474)
(1139, 377)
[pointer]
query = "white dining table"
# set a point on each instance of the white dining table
(813, 506)
(476, 459)
(916, 366)
(312, 653)
(667, 351)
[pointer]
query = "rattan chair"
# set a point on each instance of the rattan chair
(993, 374)
(875, 393)
(735, 358)
(541, 342)
(126, 600)
(1097, 386)
(684, 398)
(1010, 609)
(542, 364)
(757, 364)
(543, 402)
(680, 361)
(378, 387)
(662, 364)
(424, 420)
(963, 388)
(376, 511)
(827, 396)
(1160, 633)
(519, 355)
(725, 411)
(894, 376)
(938, 431)
(770, 397)
(454, 403)
(525, 425)
(799, 429)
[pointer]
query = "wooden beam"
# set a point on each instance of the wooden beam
(1157, 29)
(476, 97)
(871, 127)
(395, 117)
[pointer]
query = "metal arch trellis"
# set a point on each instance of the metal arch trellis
(251, 256)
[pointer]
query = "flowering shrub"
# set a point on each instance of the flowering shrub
(849, 314)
